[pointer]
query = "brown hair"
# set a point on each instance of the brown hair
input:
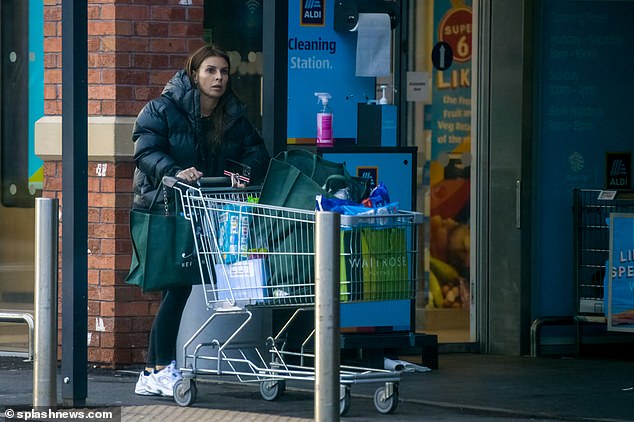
(192, 64)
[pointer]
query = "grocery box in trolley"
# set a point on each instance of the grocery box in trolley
(246, 279)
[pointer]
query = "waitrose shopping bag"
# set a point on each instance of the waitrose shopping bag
(384, 264)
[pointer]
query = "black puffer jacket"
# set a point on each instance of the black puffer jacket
(168, 136)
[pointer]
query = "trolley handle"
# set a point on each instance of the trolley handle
(206, 182)
(208, 186)
(215, 182)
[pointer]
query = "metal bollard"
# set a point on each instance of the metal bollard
(327, 354)
(45, 362)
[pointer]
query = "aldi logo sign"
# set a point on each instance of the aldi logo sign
(313, 13)
(618, 170)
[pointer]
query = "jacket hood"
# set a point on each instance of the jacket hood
(185, 96)
(181, 91)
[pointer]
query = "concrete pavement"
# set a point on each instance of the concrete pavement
(466, 387)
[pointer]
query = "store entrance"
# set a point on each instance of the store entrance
(444, 139)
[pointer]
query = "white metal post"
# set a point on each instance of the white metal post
(45, 361)
(327, 354)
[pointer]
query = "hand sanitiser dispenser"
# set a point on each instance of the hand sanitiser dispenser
(383, 99)
(376, 122)
(324, 121)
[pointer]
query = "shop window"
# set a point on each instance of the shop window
(236, 28)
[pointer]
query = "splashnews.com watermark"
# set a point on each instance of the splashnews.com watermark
(49, 414)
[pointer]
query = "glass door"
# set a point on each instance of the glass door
(439, 115)
(22, 86)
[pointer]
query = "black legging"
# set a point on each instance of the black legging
(162, 344)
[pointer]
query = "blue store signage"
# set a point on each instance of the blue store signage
(620, 310)
(321, 59)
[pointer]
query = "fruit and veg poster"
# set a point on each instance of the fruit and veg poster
(450, 158)
(620, 288)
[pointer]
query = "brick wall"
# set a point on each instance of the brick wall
(134, 47)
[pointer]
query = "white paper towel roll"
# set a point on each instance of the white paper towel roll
(374, 42)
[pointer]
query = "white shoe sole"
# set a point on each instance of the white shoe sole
(162, 390)
(145, 393)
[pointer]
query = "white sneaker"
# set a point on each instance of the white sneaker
(141, 387)
(175, 372)
(162, 382)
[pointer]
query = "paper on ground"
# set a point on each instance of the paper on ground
(403, 366)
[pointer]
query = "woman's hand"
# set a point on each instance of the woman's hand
(189, 175)
(235, 181)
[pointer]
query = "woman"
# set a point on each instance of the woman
(196, 128)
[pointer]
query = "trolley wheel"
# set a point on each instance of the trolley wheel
(272, 389)
(185, 392)
(386, 398)
(344, 399)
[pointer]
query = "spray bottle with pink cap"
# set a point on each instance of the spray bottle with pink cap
(324, 121)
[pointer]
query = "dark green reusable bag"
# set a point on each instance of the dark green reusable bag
(287, 186)
(163, 253)
(293, 180)
(295, 177)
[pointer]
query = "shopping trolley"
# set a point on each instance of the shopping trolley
(255, 255)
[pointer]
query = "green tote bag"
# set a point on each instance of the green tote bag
(293, 180)
(295, 177)
(163, 253)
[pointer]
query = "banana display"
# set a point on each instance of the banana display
(449, 260)
(447, 288)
